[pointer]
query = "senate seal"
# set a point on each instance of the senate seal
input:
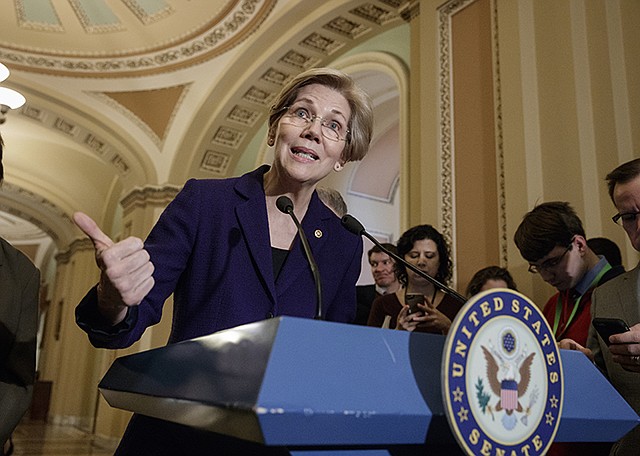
(502, 379)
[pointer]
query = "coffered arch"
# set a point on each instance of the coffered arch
(89, 126)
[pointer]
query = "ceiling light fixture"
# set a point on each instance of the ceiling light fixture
(9, 98)
(4, 72)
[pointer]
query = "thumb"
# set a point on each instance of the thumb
(100, 240)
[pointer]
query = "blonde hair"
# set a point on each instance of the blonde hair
(361, 122)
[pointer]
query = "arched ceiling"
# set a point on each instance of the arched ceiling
(127, 93)
(100, 38)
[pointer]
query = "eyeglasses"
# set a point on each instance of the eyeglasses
(331, 129)
(550, 263)
(627, 217)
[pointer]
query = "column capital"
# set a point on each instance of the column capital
(77, 245)
(151, 195)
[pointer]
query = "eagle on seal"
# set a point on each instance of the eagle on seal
(507, 388)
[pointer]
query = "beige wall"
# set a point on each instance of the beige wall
(568, 128)
(561, 93)
(475, 158)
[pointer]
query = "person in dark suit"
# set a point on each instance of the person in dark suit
(229, 255)
(19, 288)
(384, 277)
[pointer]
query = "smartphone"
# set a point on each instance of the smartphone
(609, 326)
(412, 300)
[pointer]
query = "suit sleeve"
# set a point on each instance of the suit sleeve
(18, 373)
(593, 341)
(170, 245)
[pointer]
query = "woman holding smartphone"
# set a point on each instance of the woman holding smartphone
(418, 305)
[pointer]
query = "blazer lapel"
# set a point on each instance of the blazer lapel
(252, 218)
(628, 293)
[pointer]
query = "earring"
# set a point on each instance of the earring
(271, 141)
(338, 167)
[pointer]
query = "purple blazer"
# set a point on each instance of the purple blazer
(211, 248)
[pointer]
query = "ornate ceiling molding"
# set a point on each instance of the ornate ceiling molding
(78, 133)
(77, 245)
(150, 195)
(145, 16)
(214, 39)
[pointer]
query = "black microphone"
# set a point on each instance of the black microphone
(353, 225)
(285, 205)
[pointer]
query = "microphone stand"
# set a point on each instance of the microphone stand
(353, 225)
(285, 205)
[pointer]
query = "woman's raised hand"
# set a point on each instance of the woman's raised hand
(126, 271)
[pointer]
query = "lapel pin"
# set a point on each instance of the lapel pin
(318, 234)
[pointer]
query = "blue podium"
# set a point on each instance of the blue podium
(328, 388)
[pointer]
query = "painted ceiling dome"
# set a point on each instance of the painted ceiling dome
(91, 37)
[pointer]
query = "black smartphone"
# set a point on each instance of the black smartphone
(412, 300)
(609, 326)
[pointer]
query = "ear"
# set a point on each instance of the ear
(581, 242)
(338, 167)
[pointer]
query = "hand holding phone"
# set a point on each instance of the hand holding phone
(607, 327)
(412, 300)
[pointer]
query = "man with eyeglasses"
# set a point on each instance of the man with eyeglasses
(552, 239)
(621, 297)
(619, 357)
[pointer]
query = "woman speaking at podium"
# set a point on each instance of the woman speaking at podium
(230, 256)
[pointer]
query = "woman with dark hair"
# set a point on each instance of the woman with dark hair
(407, 243)
(490, 277)
(424, 247)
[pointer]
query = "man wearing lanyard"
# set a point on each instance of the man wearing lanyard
(551, 238)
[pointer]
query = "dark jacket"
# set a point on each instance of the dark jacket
(19, 287)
